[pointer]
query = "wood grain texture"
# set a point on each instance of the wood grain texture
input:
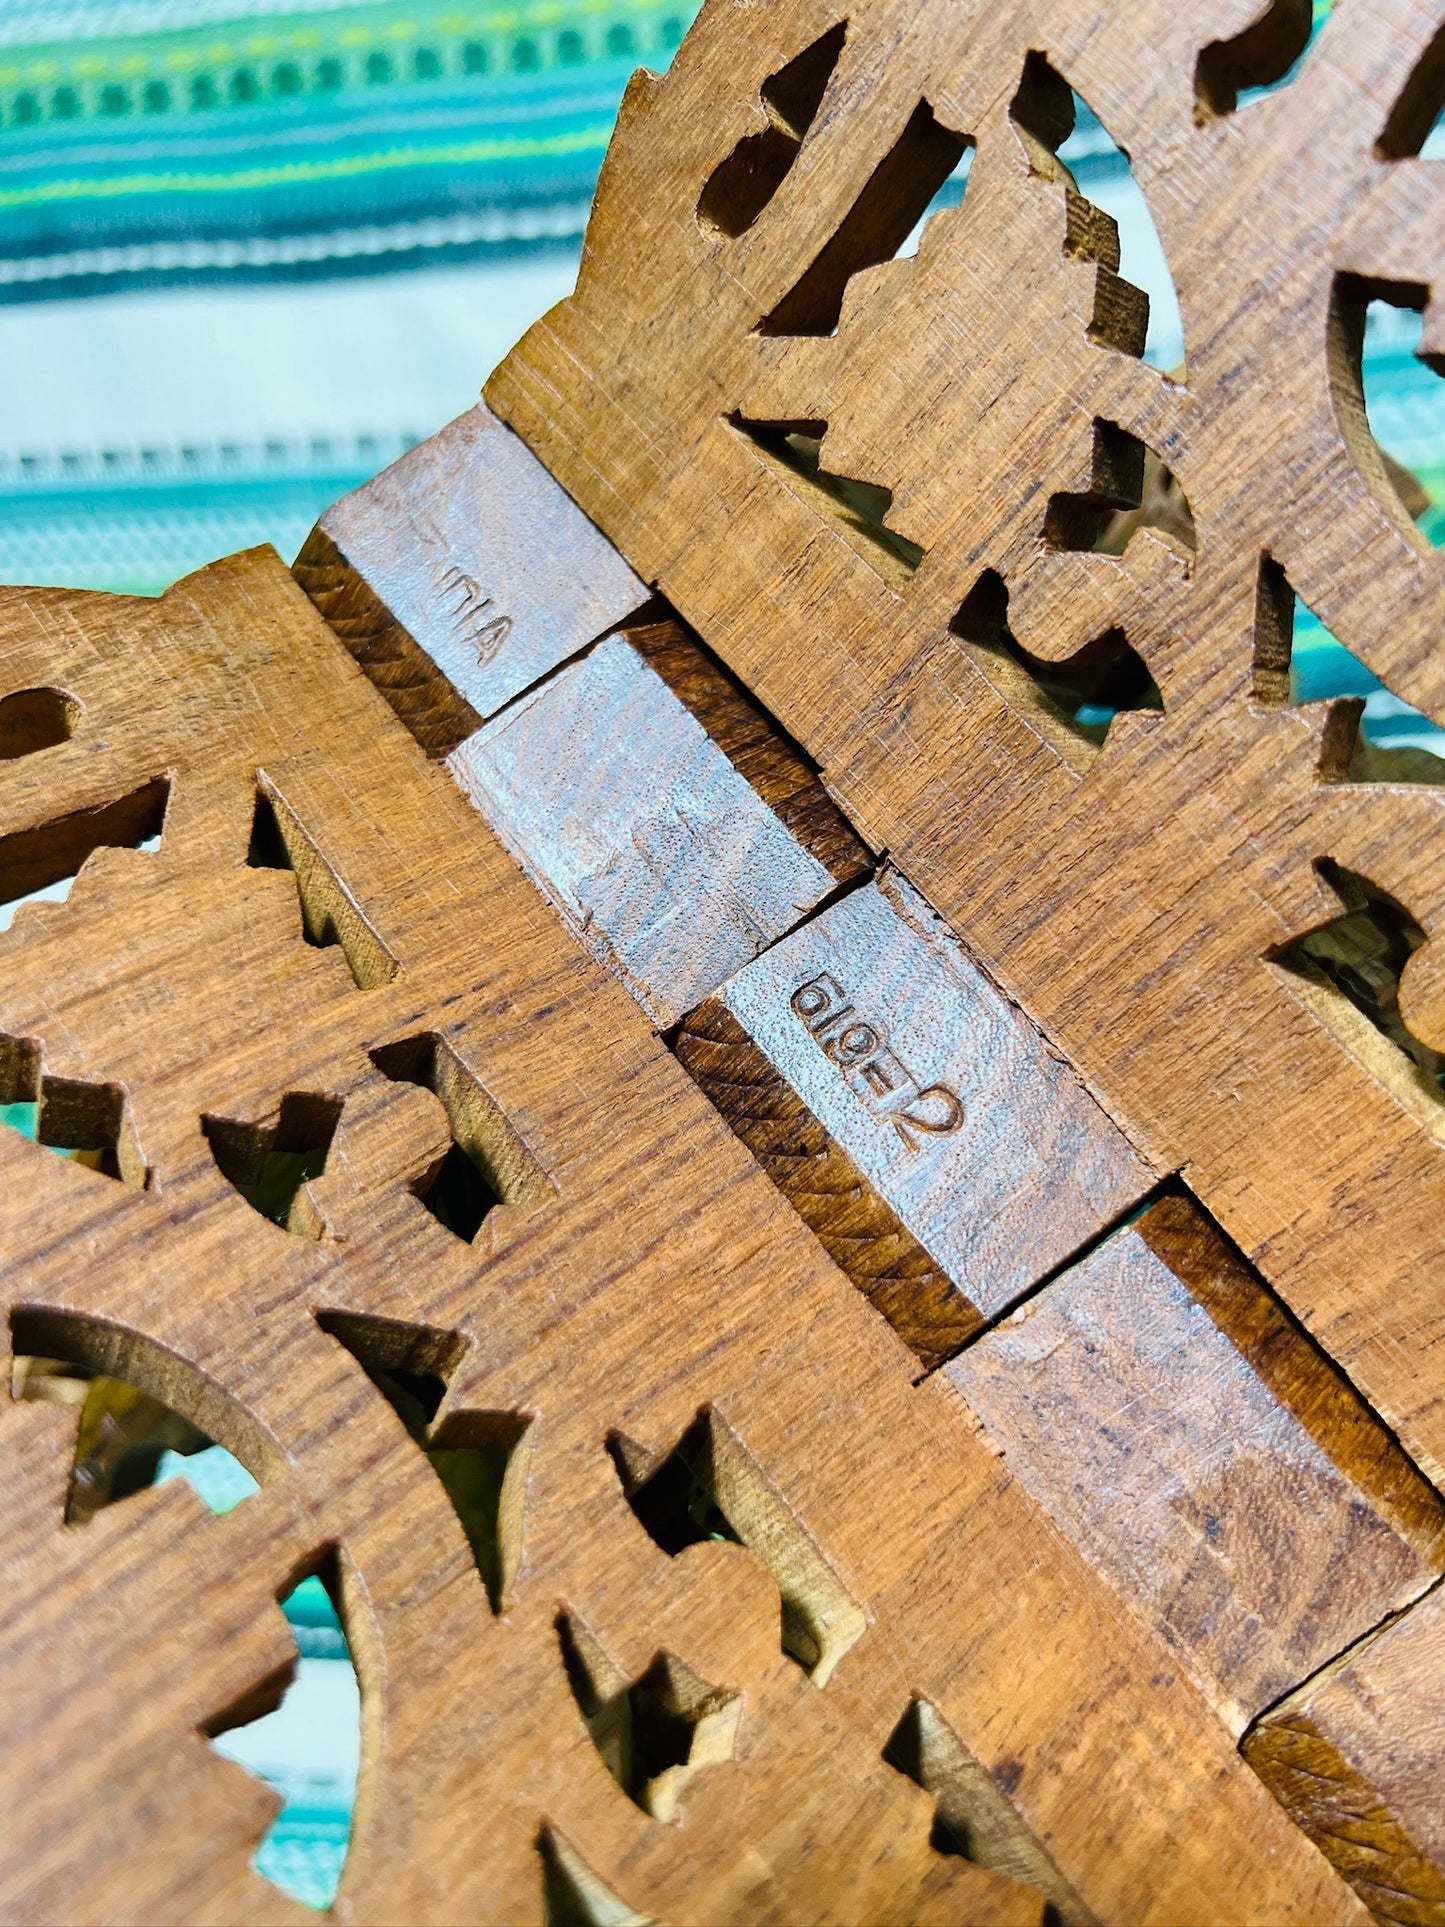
(1205, 1456)
(637, 1284)
(617, 801)
(1348, 1821)
(675, 1594)
(755, 747)
(1357, 1756)
(418, 692)
(469, 557)
(880, 489)
(859, 1232)
(984, 1146)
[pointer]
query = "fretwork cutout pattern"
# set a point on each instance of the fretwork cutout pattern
(1019, 593)
(854, 1153)
(641, 1397)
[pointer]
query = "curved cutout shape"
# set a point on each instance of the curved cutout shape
(1075, 700)
(1163, 505)
(1386, 396)
(1129, 489)
(117, 1354)
(709, 1487)
(739, 188)
(481, 1458)
(488, 1164)
(122, 1434)
(35, 719)
(1347, 972)
(1370, 735)
(1263, 55)
(654, 1732)
(1079, 522)
(268, 1163)
(889, 207)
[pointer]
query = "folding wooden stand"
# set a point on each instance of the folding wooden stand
(857, 1324)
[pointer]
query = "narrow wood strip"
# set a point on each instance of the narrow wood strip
(399, 667)
(485, 562)
(756, 746)
(1356, 1757)
(1348, 1821)
(1307, 1384)
(1206, 1458)
(613, 797)
(940, 1091)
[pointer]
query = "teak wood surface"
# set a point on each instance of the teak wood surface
(757, 1068)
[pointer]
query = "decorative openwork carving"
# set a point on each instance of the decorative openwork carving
(683, 1220)
(911, 466)
(475, 1438)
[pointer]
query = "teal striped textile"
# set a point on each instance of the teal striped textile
(137, 150)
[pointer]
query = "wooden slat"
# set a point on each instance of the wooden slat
(929, 623)
(612, 794)
(1357, 1758)
(467, 556)
(1202, 1453)
(859, 1232)
(970, 1137)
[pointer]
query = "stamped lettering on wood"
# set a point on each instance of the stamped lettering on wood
(980, 1142)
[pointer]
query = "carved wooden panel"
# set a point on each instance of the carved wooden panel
(904, 467)
(785, 1106)
(870, 1619)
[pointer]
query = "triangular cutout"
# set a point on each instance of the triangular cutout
(481, 1458)
(856, 510)
(573, 1896)
(300, 1732)
(654, 1732)
(1118, 230)
(972, 1817)
(1371, 736)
